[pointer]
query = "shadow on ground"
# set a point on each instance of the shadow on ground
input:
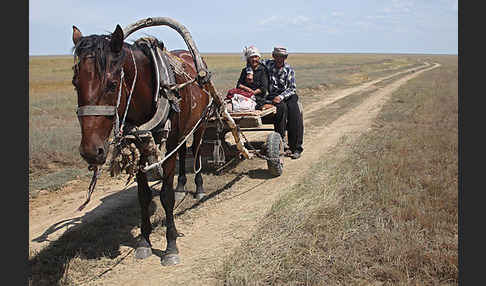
(96, 234)
(99, 233)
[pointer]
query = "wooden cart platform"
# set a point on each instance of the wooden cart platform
(251, 119)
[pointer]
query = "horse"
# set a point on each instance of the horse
(106, 73)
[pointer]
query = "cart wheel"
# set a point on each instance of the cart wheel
(274, 146)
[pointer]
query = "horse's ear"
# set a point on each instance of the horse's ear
(117, 39)
(76, 35)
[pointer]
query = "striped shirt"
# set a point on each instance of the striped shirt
(281, 80)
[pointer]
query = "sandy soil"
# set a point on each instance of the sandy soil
(219, 227)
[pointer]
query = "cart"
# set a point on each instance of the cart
(218, 153)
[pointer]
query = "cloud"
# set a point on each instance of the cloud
(364, 24)
(455, 6)
(377, 17)
(269, 20)
(337, 14)
(298, 20)
(399, 6)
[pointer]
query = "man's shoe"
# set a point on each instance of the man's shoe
(295, 155)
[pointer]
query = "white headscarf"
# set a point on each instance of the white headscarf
(249, 52)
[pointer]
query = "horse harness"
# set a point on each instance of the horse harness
(165, 65)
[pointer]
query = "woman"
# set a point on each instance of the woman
(257, 84)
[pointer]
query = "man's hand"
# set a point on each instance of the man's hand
(276, 99)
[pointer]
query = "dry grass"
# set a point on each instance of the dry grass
(54, 133)
(382, 211)
(330, 229)
(53, 128)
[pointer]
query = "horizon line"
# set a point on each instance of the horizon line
(296, 52)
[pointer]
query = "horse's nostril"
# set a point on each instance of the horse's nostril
(101, 151)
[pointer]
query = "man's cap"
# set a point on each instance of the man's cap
(280, 51)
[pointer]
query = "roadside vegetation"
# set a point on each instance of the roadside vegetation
(54, 133)
(382, 210)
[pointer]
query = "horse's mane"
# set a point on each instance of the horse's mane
(99, 47)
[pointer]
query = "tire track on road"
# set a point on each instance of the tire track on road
(221, 227)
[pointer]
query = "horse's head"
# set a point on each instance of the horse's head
(97, 80)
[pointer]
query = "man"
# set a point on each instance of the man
(282, 93)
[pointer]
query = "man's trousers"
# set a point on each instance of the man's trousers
(289, 117)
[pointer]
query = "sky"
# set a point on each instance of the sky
(225, 26)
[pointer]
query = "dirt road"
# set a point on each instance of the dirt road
(215, 229)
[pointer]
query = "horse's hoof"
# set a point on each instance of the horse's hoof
(179, 195)
(170, 259)
(143, 252)
(199, 196)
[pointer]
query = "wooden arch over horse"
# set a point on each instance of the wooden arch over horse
(116, 85)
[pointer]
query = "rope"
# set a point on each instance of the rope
(158, 164)
(180, 202)
(200, 141)
(131, 91)
(96, 173)
(117, 119)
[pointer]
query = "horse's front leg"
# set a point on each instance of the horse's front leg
(144, 247)
(171, 254)
(180, 190)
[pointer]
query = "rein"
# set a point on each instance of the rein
(107, 110)
(158, 165)
(110, 110)
(119, 129)
(92, 184)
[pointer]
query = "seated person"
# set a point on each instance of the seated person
(255, 85)
(282, 92)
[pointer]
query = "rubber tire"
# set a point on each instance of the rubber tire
(273, 146)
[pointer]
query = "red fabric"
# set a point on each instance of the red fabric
(238, 91)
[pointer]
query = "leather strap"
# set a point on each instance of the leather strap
(160, 115)
(88, 110)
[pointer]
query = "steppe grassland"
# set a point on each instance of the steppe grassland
(54, 133)
(379, 211)
(410, 231)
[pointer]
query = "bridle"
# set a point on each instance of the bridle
(112, 110)
(107, 110)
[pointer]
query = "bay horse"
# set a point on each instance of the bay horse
(106, 68)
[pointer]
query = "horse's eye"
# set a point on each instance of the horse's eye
(112, 86)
